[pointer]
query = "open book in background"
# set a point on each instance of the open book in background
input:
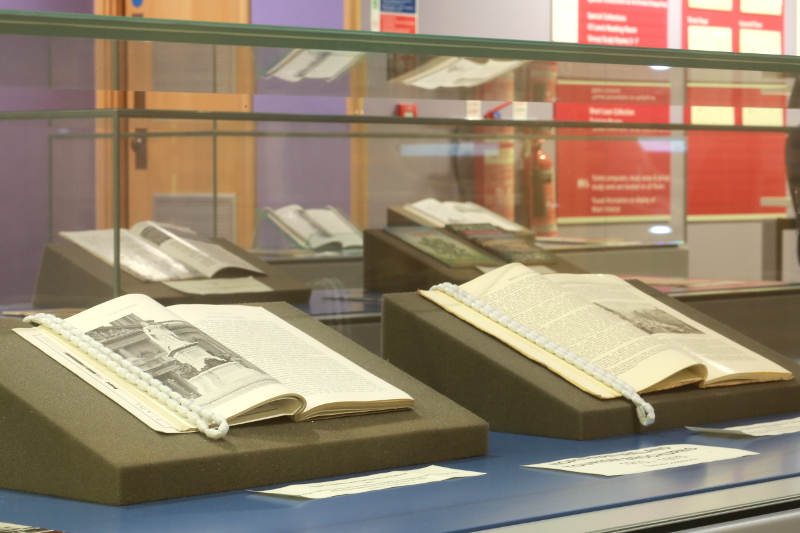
(512, 247)
(436, 214)
(323, 229)
(242, 362)
(456, 72)
(156, 251)
(612, 324)
(300, 64)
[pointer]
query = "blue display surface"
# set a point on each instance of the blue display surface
(508, 494)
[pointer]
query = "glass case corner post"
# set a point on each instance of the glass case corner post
(117, 207)
(214, 177)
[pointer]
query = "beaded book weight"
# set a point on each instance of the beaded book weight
(644, 411)
(196, 415)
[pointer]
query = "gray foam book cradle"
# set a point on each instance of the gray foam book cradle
(59, 436)
(517, 395)
(391, 265)
(72, 277)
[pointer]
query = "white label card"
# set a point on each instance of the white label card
(644, 460)
(242, 285)
(519, 111)
(474, 110)
(764, 429)
(356, 485)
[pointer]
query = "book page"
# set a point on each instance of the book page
(337, 226)
(180, 355)
(456, 72)
(477, 214)
(137, 257)
(303, 364)
(576, 324)
(186, 246)
(450, 212)
(302, 64)
(155, 416)
(722, 356)
(300, 227)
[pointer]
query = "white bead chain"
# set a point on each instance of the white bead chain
(644, 411)
(184, 407)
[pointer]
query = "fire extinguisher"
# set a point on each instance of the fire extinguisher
(540, 189)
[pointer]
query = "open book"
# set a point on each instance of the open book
(156, 251)
(514, 247)
(316, 229)
(612, 324)
(456, 72)
(431, 212)
(300, 64)
(242, 362)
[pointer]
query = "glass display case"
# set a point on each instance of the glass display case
(656, 163)
(318, 166)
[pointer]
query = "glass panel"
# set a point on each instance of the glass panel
(354, 164)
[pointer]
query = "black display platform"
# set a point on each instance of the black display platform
(61, 437)
(391, 265)
(72, 277)
(517, 395)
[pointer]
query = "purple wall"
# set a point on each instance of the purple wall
(66, 6)
(306, 171)
(39, 74)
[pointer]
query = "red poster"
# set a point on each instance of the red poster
(611, 22)
(634, 24)
(750, 26)
(392, 23)
(729, 172)
(603, 176)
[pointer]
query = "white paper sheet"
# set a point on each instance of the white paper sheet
(710, 38)
(356, 485)
(242, 285)
(753, 41)
(765, 429)
(644, 460)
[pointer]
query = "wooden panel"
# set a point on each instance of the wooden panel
(175, 76)
(359, 147)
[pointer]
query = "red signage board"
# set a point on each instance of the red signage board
(611, 22)
(605, 176)
(729, 172)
